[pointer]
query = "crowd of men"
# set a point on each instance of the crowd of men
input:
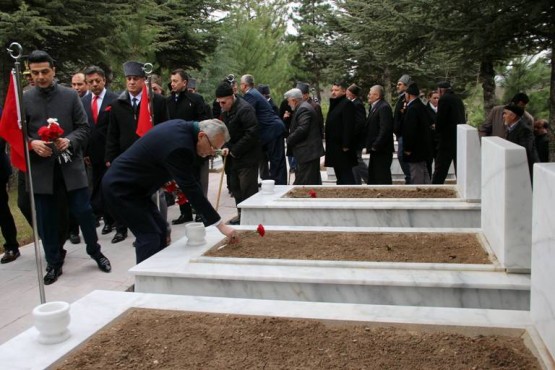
(244, 125)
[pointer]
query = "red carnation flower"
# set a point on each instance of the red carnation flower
(312, 193)
(260, 230)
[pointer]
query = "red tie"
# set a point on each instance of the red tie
(94, 108)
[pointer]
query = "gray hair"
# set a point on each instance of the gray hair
(380, 89)
(214, 127)
(296, 94)
(248, 79)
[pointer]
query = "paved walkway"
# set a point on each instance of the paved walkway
(19, 291)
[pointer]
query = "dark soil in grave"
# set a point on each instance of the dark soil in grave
(348, 246)
(364, 192)
(154, 339)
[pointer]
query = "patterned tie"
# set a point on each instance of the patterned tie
(94, 108)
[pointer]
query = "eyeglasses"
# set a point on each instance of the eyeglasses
(210, 143)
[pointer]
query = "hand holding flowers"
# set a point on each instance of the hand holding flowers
(52, 134)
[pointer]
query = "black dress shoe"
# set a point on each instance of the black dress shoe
(198, 218)
(103, 263)
(74, 238)
(182, 219)
(10, 256)
(119, 237)
(234, 221)
(52, 274)
(107, 229)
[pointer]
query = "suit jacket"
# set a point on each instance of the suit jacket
(64, 104)
(271, 127)
(187, 106)
(450, 113)
(340, 133)
(165, 152)
(123, 123)
(380, 128)
(244, 132)
(97, 142)
(360, 124)
(305, 140)
(398, 113)
(417, 136)
(522, 135)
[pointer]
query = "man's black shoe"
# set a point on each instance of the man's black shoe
(74, 238)
(52, 274)
(103, 263)
(10, 256)
(181, 220)
(107, 229)
(119, 237)
(198, 218)
(234, 221)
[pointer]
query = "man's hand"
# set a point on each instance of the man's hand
(62, 143)
(230, 232)
(225, 152)
(41, 148)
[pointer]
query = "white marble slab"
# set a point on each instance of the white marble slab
(468, 163)
(273, 209)
(542, 303)
(507, 202)
(182, 270)
(99, 308)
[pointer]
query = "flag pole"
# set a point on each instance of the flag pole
(148, 68)
(15, 50)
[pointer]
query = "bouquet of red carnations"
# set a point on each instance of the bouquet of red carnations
(173, 188)
(52, 132)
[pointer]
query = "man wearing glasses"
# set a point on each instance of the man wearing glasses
(164, 153)
(243, 149)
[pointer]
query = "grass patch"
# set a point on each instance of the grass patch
(24, 231)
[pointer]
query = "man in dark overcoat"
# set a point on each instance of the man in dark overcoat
(304, 141)
(124, 116)
(450, 113)
(379, 140)
(164, 153)
(340, 135)
(52, 175)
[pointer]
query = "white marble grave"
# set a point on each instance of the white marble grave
(273, 209)
(99, 308)
(542, 304)
(183, 270)
(468, 163)
(507, 203)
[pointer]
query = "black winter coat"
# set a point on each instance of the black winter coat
(380, 128)
(417, 136)
(340, 133)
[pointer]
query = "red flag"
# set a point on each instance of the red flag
(10, 128)
(145, 120)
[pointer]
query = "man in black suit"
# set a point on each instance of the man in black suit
(124, 115)
(379, 140)
(304, 141)
(450, 113)
(96, 106)
(340, 135)
(136, 175)
(189, 106)
(417, 136)
(360, 171)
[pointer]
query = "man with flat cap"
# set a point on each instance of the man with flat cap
(164, 153)
(124, 115)
(450, 113)
(520, 133)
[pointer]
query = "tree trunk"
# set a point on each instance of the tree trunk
(487, 78)
(387, 84)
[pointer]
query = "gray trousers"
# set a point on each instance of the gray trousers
(419, 173)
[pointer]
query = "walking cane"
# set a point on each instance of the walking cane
(220, 188)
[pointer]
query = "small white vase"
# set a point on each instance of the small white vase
(267, 186)
(52, 320)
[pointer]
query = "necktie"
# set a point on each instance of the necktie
(94, 108)
(135, 105)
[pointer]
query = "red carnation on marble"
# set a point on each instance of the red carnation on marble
(260, 230)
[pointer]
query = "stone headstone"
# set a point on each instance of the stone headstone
(468, 163)
(507, 203)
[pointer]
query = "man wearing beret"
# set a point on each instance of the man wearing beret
(243, 149)
(124, 116)
(520, 134)
(450, 113)
(494, 124)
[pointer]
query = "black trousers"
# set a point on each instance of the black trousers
(308, 173)
(445, 155)
(244, 182)
(7, 224)
(379, 168)
(275, 152)
(344, 175)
